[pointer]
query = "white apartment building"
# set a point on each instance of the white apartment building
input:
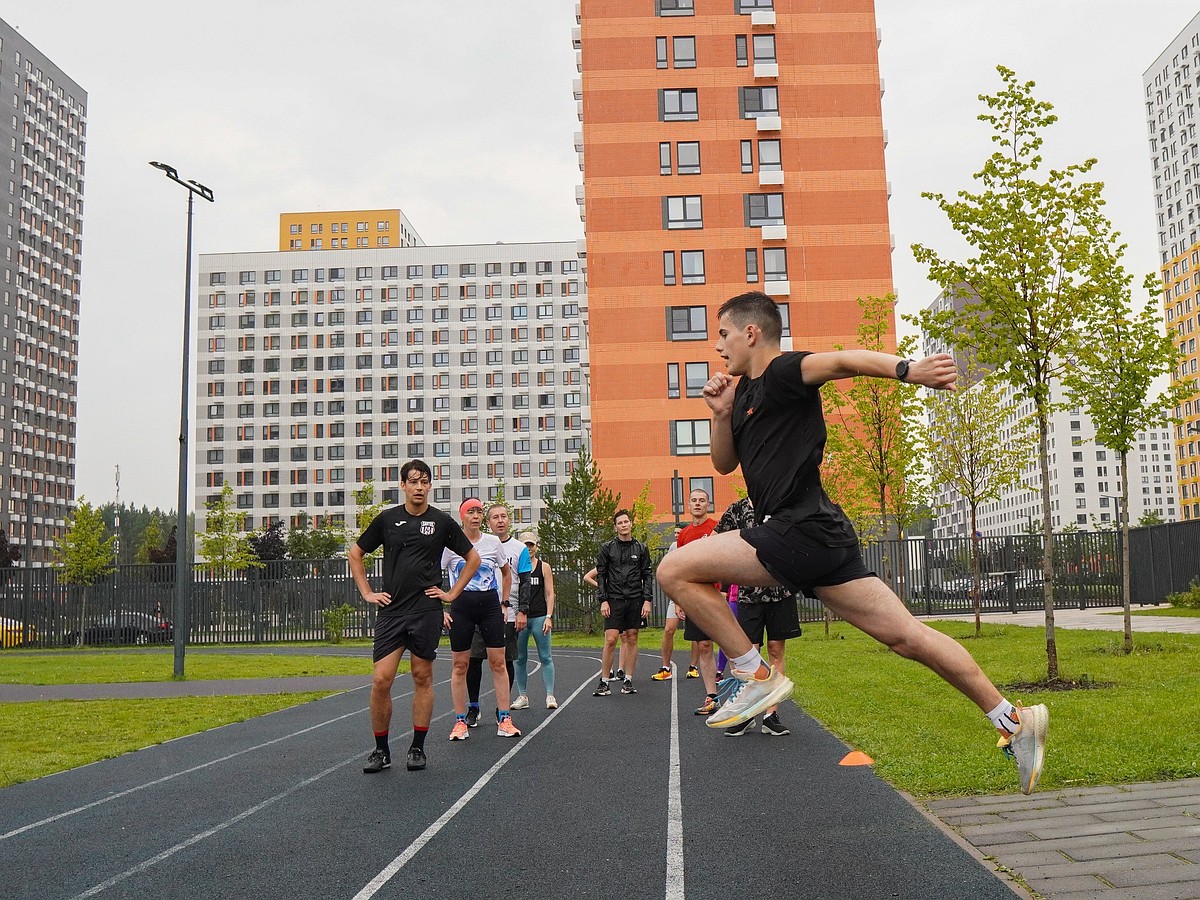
(320, 370)
(43, 141)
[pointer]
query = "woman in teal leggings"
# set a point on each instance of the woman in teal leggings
(540, 624)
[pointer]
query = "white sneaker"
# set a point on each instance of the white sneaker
(551, 703)
(1028, 746)
(521, 702)
(751, 696)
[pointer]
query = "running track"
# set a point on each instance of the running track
(620, 797)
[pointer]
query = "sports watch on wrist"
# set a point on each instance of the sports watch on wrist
(902, 369)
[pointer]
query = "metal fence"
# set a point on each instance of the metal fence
(290, 601)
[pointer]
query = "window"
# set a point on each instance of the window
(668, 267)
(441, 270)
(769, 159)
(763, 209)
(687, 155)
(775, 264)
(684, 51)
(696, 374)
(683, 212)
(247, 277)
(692, 263)
(690, 437)
(751, 265)
(739, 50)
(414, 272)
(660, 52)
(687, 323)
(764, 48)
(672, 381)
(519, 268)
(216, 278)
(674, 7)
(678, 105)
(758, 101)
(743, 7)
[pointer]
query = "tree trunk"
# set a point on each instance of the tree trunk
(976, 575)
(1123, 519)
(1047, 541)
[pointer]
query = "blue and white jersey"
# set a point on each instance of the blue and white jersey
(492, 559)
(518, 558)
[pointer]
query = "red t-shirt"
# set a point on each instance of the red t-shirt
(695, 532)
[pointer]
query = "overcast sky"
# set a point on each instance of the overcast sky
(461, 114)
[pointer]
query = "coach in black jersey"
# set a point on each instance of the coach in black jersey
(770, 422)
(411, 616)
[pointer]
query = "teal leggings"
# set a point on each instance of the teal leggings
(543, 650)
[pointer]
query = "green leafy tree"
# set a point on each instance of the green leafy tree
(8, 553)
(152, 539)
(874, 441)
(574, 526)
(269, 543)
(1041, 253)
(1151, 517)
(1114, 380)
(224, 546)
(645, 526)
(366, 508)
(982, 451)
(165, 553)
(325, 541)
(84, 553)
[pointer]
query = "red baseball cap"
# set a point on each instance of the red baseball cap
(469, 504)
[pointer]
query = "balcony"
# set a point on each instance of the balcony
(577, 88)
(579, 142)
(762, 18)
(581, 248)
(774, 232)
(771, 123)
(579, 194)
(577, 38)
(766, 70)
(777, 288)
(769, 177)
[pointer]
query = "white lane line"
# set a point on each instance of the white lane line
(157, 781)
(674, 803)
(389, 871)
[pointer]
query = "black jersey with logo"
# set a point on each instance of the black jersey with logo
(779, 436)
(412, 555)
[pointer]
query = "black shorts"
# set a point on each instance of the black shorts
(419, 633)
(693, 632)
(476, 609)
(624, 615)
(779, 619)
(479, 648)
(801, 563)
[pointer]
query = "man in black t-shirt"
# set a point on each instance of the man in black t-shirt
(411, 616)
(771, 424)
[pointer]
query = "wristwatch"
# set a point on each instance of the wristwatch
(902, 369)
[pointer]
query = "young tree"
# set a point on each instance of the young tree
(365, 510)
(84, 553)
(152, 539)
(1113, 379)
(308, 543)
(224, 546)
(874, 440)
(978, 450)
(8, 553)
(645, 528)
(1041, 252)
(268, 544)
(166, 553)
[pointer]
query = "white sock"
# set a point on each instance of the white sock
(1006, 718)
(748, 661)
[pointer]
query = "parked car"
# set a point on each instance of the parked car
(125, 628)
(12, 633)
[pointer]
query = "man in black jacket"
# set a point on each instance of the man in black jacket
(624, 583)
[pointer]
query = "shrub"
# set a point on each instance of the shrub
(1189, 598)
(336, 620)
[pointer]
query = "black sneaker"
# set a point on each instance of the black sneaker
(738, 730)
(601, 690)
(377, 762)
(772, 725)
(627, 687)
(416, 759)
(611, 674)
(621, 675)
(472, 716)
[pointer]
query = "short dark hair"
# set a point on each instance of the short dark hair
(622, 512)
(701, 490)
(754, 307)
(415, 465)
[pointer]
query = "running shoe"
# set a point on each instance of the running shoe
(472, 716)
(708, 707)
(377, 762)
(521, 702)
(772, 725)
(620, 674)
(663, 674)
(506, 728)
(752, 696)
(1028, 746)
(744, 728)
(693, 672)
(551, 702)
(416, 759)
(627, 687)
(726, 688)
(611, 675)
(601, 689)
(459, 732)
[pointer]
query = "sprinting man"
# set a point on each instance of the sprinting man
(413, 536)
(768, 612)
(478, 606)
(624, 579)
(539, 624)
(769, 421)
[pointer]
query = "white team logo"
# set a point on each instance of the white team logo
(426, 528)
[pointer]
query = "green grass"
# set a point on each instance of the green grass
(120, 666)
(40, 738)
(1182, 612)
(927, 739)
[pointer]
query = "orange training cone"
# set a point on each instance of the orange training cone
(856, 758)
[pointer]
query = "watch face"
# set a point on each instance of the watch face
(902, 369)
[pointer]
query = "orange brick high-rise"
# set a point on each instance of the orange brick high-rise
(727, 145)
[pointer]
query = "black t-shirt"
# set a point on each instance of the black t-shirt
(412, 555)
(779, 436)
(537, 591)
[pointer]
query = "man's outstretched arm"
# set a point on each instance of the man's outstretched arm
(936, 371)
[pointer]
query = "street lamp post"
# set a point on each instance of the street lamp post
(183, 572)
